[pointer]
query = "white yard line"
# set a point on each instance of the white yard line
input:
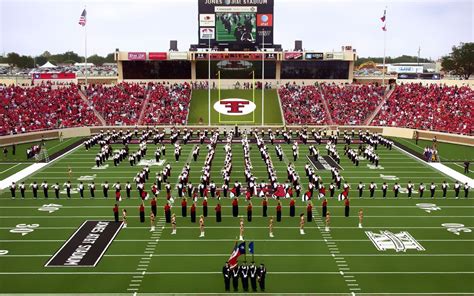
(265, 227)
(11, 168)
(329, 243)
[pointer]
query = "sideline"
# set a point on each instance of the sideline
(5, 183)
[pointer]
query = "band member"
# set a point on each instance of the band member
(301, 223)
(396, 189)
(167, 210)
(270, 227)
(253, 276)
(328, 221)
(360, 187)
(235, 207)
(184, 207)
(227, 274)
(421, 188)
(22, 189)
(372, 188)
(292, 207)
(346, 207)
(116, 213)
(105, 189)
(193, 212)
(241, 228)
(124, 218)
(278, 211)
(457, 188)
(261, 274)
(45, 187)
(432, 189)
(204, 207)
(444, 187)
(244, 276)
(235, 278)
(324, 207)
(361, 216)
(466, 190)
(201, 225)
(92, 189)
(384, 190)
(249, 212)
(141, 209)
(13, 190)
(409, 189)
(332, 190)
(34, 187)
(173, 224)
(218, 210)
(81, 189)
(309, 212)
(56, 188)
(264, 206)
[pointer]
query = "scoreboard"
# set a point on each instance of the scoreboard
(237, 24)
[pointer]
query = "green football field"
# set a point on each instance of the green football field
(343, 260)
(198, 111)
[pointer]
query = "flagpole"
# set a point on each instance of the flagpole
(209, 81)
(384, 47)
(85, 46)
(263, 76)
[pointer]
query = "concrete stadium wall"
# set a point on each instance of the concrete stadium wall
(87, 131)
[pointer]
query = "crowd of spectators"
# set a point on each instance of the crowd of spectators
(42, 107)
(351, 104)
(167, 103)
(120, 104)
(302, 104)
(433, 107)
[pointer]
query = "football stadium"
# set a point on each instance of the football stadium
(237, 166)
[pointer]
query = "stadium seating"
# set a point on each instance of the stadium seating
(167, 104)
(302, 104)
(439, 108)
(351, 104)
(42, 107)
(120, 104)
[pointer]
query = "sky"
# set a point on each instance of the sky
(32, 26)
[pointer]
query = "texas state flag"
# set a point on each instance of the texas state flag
(238, 250)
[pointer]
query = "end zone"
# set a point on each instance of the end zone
(87, 245)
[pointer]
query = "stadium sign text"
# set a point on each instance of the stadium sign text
(234, 106)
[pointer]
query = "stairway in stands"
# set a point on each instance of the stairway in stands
(144, 107)
(97, 114)
(326, 107)
(371, 117)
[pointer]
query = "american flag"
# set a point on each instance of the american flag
(82, 19)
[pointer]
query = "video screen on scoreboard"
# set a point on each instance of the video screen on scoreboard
(236, 27)
(235, 23)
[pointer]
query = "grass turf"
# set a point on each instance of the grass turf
(198, 113)
(53, 146)
(295, 263)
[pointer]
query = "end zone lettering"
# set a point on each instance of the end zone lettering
(87, 245)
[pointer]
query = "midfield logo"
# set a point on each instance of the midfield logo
(234, 107)
(400, 242)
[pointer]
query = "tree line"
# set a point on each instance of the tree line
(69, 57)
